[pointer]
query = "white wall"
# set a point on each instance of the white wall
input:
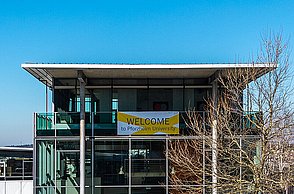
(16, 187)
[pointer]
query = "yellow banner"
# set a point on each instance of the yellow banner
(147, 123)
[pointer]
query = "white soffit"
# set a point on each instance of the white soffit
(45, 72)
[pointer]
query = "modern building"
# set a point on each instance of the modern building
(16, 170)
(110, 124)
(16, 163)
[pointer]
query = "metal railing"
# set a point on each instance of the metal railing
(105, 123)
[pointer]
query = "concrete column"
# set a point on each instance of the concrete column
(214, 138)
(82, 132)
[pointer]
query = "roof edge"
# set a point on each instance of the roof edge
(144, 66)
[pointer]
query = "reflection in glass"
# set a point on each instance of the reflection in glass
(111, 162)
(67, 173)
(148, 162)
(45, 163)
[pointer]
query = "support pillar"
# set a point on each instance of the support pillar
(82, 81)
(214, 138)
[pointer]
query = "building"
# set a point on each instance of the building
(16, 170)
(16, 163)
(109, 126)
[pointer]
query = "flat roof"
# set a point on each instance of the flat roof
(15, 149)
(44, 72)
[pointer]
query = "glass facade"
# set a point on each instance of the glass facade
(132, 95)
(114, 164)
(117, 165)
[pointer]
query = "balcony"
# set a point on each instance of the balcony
(105, 123)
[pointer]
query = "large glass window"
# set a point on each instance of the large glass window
(65, 100)
(111, 162)
(160, 99)
(45, 163)
(195, 98)
(133, 95)
(163, 99)
(68, 166)
(102, 100)
(148, 162)
(16, 167)
(2, 169)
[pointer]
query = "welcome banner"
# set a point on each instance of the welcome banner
(147, 123)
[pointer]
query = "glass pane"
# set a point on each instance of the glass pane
(68, 124)
(14, 168)
(65, 100)
(68, 171)
(148, 162)
(142, 99)
(28, 169)
(45, 163)
(44, 124)
(2, 168)
(160, 99)
(111, 162)
(68, 145)
(105, 123)
(102, 100)
(192, 148)
(127, 99)
(45, 190)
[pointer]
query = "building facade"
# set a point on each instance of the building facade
(110, 124)
(16, 170)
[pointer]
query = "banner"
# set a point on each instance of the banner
(147, 123)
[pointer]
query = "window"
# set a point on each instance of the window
(2, 169)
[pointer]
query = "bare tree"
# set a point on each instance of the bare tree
(254, 122)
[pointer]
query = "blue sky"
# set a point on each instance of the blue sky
(129, 31)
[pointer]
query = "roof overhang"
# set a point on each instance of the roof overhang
(19, 149)
(45, 72)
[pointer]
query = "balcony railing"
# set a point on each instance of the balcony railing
(68, 124)
(105, 124)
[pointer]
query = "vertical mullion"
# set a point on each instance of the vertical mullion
(34, 155)
(130, 165)
(93, 154)
(166, 165)
(55, 154)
